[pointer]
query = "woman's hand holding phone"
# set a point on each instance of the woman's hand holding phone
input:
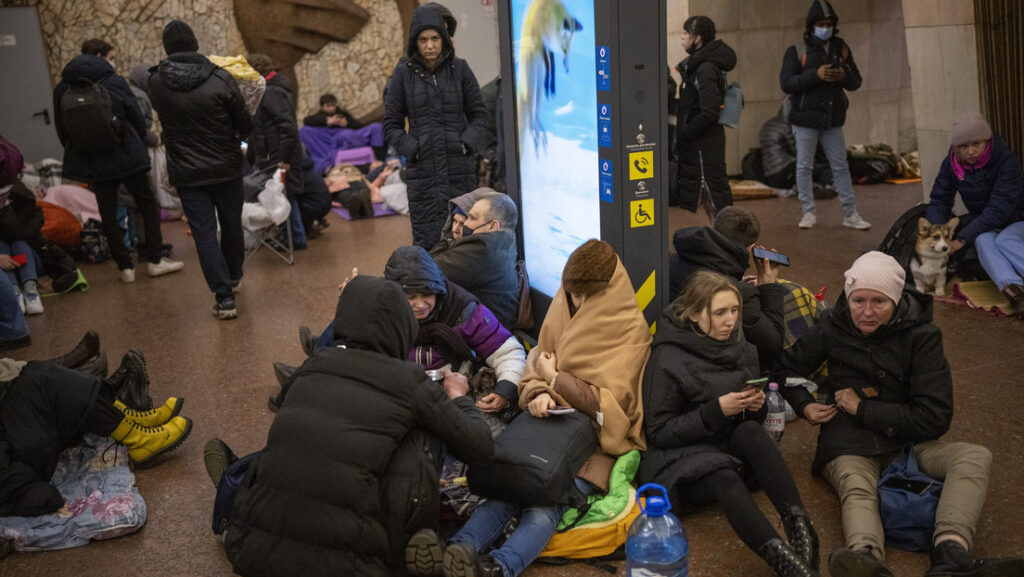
(751, 399)
(540, 404)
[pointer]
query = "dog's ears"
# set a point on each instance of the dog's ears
(923, 225)
(952, 224)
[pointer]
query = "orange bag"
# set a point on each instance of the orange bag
(60, 226)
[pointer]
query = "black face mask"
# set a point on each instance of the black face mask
(466, 231)
(692, 48)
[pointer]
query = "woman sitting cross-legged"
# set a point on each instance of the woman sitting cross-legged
(703, 425)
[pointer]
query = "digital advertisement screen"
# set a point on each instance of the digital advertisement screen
(556, 106)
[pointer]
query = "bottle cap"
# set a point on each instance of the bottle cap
(773, 387)
(656, 506)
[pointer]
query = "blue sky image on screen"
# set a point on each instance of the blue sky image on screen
(557, 116)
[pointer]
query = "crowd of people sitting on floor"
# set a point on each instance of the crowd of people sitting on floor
(419, 383)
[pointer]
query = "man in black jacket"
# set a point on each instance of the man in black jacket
(204, 120)
(725, 249)
(350, 468)
(105, 170)
(816, 76)
(331, 115)
(889, 385)
(483, 259)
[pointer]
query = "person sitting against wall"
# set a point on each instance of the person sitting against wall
(21, 224)
(483, 260)
(14, 331)
(589, 356)
(350, 466)
(988, 177)
(330, 115)
(703, 424)
(726, 249)
(455, 328)
(458, 208)
(889, 385)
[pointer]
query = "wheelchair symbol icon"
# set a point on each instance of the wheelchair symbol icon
(641, 215)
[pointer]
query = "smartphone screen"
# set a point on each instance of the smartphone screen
(775, 257)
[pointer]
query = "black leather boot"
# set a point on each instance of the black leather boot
(86, 349)
(784, 561)
(131, 382)
(801, 535)
(96, 366)
(307, 340)
(950, 559)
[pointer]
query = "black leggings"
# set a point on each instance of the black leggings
(750, 443)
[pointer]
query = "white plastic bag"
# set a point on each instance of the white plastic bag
(273, 198)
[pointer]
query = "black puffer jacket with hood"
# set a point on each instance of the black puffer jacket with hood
(130, 157)
(447, 124)
(899, 371)
(815, 103)
(703, 248)
(204, 119)
(350, 468)
(697, 129)
(683, 420)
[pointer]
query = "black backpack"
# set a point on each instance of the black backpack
(536, 460)
(88, 117)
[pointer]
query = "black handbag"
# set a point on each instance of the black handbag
(536, 460)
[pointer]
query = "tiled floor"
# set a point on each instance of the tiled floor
(223, 369)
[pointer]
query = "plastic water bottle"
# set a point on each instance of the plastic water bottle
(775, 420)
(656, 545)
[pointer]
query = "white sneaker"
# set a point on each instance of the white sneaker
(21, 299)
(33, 304)
(855, 221)
(165, 266)
(127, 275)
(808, 220)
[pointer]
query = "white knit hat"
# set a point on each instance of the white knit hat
(877, 271)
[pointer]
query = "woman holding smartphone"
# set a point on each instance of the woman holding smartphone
(703, 425)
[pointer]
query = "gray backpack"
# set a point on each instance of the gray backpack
(732, 101)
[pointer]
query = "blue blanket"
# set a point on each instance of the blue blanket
(101, 500)
(324, 142)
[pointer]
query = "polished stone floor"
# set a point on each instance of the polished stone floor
(223, 369)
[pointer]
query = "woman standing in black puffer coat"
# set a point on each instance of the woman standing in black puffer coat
(699, 136)
(440, 97)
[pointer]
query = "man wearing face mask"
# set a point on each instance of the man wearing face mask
(483, 259)
(815, 76)
(104, 166)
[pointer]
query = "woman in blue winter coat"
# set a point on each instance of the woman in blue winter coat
(988, 177)
(439, 96)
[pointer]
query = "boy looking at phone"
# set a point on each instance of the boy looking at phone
(726, 249)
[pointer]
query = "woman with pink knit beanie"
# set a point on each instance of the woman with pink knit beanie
(988, 177)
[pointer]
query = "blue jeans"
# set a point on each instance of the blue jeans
(26, 272)
(1001, 253)
(536, 526)
(205, 206)
(834, 144)
(326, 338)
(12, 320)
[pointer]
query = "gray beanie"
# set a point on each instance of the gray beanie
(970, 127)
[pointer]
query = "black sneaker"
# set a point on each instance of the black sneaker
(225, 309)
(11, 344)
(130, 382)
(216, 457)
(1015, 293)
(849, 563)
(424, 554)
(950, 559)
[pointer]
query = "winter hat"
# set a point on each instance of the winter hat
(970, 127)
(877, 271)
(178, 37)
(414, 269)
(11, 163)
(589, 268)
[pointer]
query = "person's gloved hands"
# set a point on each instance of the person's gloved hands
(39, 498)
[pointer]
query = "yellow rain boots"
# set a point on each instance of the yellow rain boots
(154, 417)
(144, 444)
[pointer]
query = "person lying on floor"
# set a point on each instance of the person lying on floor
(46, 408)
(350, 467)
(455, 328)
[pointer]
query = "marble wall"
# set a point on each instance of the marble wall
(882, 110)
(943, 55)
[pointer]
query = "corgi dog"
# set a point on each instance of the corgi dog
(548, 30)
(931, 255)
